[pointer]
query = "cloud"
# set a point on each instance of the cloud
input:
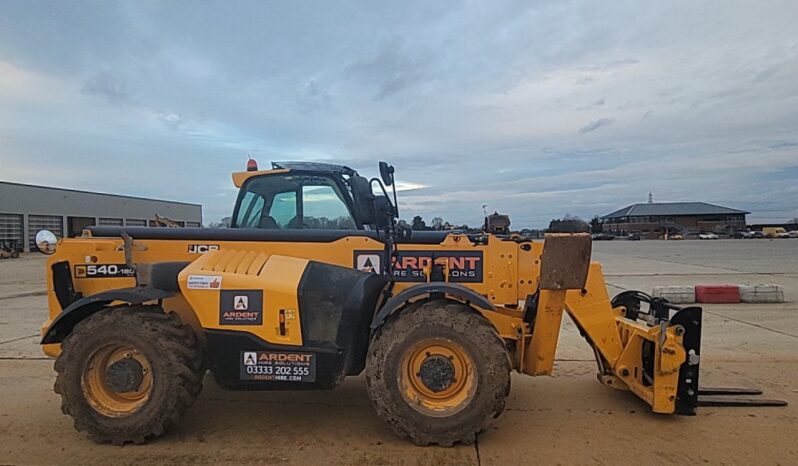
(390, 69)
(313, 97)
(171, 120)
(595, 124)
(474, 103)
(111, 87)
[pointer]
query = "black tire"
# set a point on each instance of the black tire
(170, 348)
(452, 321)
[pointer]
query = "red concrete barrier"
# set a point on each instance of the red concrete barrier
(717, 294)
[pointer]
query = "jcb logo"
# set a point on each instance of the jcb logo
(202, 248)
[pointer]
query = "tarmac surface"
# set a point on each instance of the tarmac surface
(565, 419)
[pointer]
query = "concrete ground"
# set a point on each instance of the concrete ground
(568, 418)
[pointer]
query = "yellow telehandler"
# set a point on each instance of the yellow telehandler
(315, 281)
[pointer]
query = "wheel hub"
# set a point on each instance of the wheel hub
(437, 377)
(117, 380)
(437, 373)
(124, 376)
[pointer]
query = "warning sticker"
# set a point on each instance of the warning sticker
(241, 307)
(204, 282)
(278, 366)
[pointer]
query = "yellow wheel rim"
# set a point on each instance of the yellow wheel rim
(437, 377)
(109, 399)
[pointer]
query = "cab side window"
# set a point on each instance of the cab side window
(323, 209)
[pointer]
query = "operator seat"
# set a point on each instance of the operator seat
(267, 222)
(294, 224)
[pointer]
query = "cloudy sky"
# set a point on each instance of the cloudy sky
(537, 109)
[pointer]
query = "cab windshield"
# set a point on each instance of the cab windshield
(293, 202)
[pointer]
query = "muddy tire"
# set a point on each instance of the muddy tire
(438, 373)
(127, 374)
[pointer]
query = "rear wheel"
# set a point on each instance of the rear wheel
(438, 373)
(127, 374)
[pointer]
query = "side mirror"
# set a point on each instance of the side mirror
(385, 211)
(364, 200)
(46, 241)
(386, 173)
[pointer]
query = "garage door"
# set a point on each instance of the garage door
(53, 223)
(11, 228)
(111, 222)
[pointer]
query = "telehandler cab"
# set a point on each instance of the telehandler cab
(314, 281)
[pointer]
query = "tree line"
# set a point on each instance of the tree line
(574, 224)
(569, 223)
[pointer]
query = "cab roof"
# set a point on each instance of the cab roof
(284, 167)
(315, 167)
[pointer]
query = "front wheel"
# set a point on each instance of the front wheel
(438, 373)
(127, 374)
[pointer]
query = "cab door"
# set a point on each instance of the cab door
(308, 209)
(290, 201)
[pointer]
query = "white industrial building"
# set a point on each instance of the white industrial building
(26, 209)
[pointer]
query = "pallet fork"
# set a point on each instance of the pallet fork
(690, 394)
